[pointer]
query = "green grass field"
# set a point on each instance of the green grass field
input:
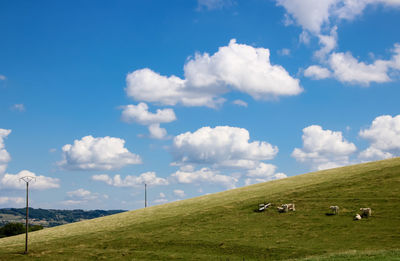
(224, 226)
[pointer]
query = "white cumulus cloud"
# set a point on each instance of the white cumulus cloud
(12, 181)
(328, 43)
(82, 196)
(11, 201)
(147, 85)
(149, 178)
(384, 138)
(205, 175)
(222, 146)
(157, 132)
(237, 67)
(317, 72)
(313, 15)
(309, 14)
(179, 193)
(280, 175)
(323, 149)
(262, 173)
(79, 193)
(140, 114)
(320, 17)
(104, 153)
(240, 103)
(244, 68)
(346, 68)
(4, 155)
(395, 61)
(263, 170)
(349, 9)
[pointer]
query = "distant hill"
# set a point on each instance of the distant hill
(51, 217)
(226, 225)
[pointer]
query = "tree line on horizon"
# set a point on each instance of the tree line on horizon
(52, 217)
(14, 228)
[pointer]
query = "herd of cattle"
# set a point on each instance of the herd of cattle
(365, 212)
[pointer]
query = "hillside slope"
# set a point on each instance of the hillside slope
(224, 226)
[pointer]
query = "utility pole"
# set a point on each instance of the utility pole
(27, 179)
(145, 195)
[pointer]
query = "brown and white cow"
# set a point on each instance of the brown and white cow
(366, 212)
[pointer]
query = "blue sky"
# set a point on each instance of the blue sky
(191, 97)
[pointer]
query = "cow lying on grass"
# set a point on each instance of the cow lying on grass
(365, 213)
(286, 207)
(262, 207)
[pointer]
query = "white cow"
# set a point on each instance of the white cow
(357, 217)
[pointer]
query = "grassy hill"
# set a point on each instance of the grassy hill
(224, 226)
